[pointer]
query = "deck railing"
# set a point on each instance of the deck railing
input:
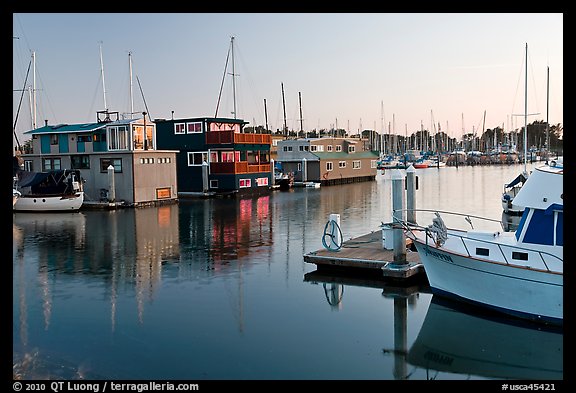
(238, 168)
(229, 137)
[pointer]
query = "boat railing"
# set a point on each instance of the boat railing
(432, 234)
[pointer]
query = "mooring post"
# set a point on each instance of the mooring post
(204, 176)
(397, 214)
(411, 194)
(111, 185)
(304, 171)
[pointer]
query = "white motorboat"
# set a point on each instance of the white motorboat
(518, 273)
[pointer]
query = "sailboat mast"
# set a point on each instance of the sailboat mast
(300, 102)
(547, 111)
(265, 114)
(131, 92)
(34, 90)
(526, 109)
(284, 107)
(102, 73)
(233, 76)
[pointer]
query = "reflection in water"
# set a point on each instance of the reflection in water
(454, 340)
(402, 294)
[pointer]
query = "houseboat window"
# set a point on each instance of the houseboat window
(197, 158)
(54, 139)
(262, 181)
(179, 128)
(329, 166)
(227, 156)
(245, 183)
(341, 164)
(213, 156)
(299, 167)
(482, 251)
(274, 142)
(338, 148)
(213, 183)
(115, 162)
(80, 162)
(28, 166)
(320, 147)
(356, 164)
(237, 156)
(195, 127)
(301, 148)
(521, 256)
(225, 127)
(118, 138)
(328, 147)
(84, 138)
(373, 164)
(50, 164)
(351, 149)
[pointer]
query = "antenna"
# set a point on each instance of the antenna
(102, 72)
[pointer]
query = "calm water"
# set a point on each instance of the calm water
(218, 289)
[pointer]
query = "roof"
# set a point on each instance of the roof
(344, 155)
(67, 128)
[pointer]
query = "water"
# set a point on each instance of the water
(217, 289)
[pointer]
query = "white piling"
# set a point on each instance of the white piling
(304, 171)
(204, 176)
(398, 207)
(111, 184)
(411, 194)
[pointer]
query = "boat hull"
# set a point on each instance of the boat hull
(39, 203)
(528, 293)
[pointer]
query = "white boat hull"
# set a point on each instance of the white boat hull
(528, 292)
(38, 203)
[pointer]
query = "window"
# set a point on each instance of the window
(179, 128)
(245, 183)
(328, 147)
(50, 164)
(329, 166)
(197, 158)
(117, 138)
(301, 148)
(115, 162)
(54, 139)
(373, 164)
(299, 167)
(482, 251)
(521, 256)
(80, 162)
(313, 148)
(194, 127)
(351, 149)
(227, 156)
(262, 181)
(84, 138)
(213, 156)
(338, 148)
(213, 183)
(341, 164)
(356, 164)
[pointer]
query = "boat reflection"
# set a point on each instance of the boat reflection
(454, 340)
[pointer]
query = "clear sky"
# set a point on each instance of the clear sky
(398, 71)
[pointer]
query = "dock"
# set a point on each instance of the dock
(367, 252)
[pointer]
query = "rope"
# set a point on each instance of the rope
(439, 229)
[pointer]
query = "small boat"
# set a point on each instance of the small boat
(57, 190)
(518, 273)
(455, 339)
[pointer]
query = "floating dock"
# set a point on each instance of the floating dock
(367, 252)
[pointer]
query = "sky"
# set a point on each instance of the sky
(389, 72)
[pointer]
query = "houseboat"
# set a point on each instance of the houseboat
(216, 157)
(328, 160)
(117, 159)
